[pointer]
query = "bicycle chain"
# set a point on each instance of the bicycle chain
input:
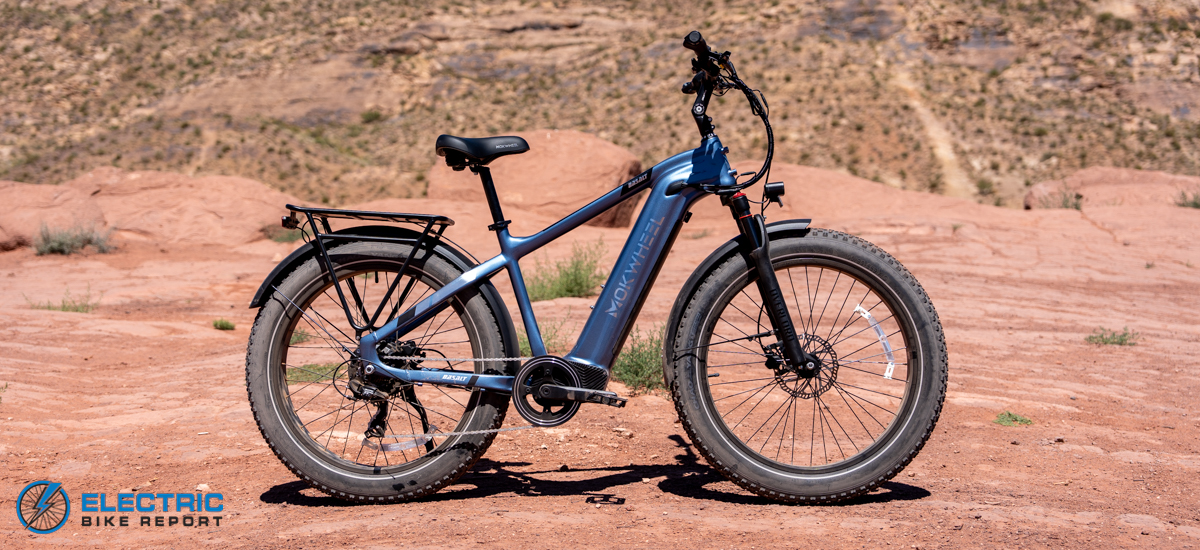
(451, 434)
(454, 360)
(451, 359)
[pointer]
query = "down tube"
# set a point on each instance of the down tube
(634, 273)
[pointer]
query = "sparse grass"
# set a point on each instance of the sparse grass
(1007, 418)
(299, 337)
(1149, 265)
(1188, 200)
(70, 241)
(985, 186)
(2, 390)
(1105, 337)
(640, 364)
(576, 276)
(281, 234)
(82, 304)
(371, 116)
(223, 324)
(1065, 198)
(553, 336)
(699, 234)
(312, 372)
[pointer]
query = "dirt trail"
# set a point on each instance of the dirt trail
(955, 179)
(143, 394)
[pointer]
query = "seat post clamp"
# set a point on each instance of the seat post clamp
(499, 225)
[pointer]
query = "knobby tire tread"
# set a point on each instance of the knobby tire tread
(942, 369)
(418, 492)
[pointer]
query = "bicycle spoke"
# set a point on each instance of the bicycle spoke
(766, 411)
(334, 419)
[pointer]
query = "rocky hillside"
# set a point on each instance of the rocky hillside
(338, 101)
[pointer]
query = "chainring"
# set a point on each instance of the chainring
(540, 371)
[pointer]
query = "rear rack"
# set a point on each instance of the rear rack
(434, 226)
(364, 215)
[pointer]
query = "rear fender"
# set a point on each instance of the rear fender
(737, 245)
(452, 254)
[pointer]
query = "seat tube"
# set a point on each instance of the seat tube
(536, 345)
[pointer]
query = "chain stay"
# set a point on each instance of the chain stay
(451, 359)
(450, 434)
(454, 360)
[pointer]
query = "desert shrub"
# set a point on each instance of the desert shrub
(1188, 200)
(313, 372)
(82, 304)
(553, 337)
(223, 324)
(281, 234)
(299, 337)
(1007, 418)
(371, 116)
(70, 241)
(1064, 198)
(1105, 337)
(985, 186)
(641, 361)
(576, 276)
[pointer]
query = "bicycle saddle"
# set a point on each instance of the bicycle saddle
(462, 152)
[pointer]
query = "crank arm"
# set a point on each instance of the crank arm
(583, 395)
(492, 382)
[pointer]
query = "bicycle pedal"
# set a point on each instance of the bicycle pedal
(583, 395)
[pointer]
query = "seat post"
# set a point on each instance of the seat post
(489, 191)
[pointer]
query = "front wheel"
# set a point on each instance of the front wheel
(796, 435)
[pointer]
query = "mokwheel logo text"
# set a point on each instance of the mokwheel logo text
(43, 507)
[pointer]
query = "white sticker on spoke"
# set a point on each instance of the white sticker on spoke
(887, 348)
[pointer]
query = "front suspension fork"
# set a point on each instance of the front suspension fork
(754, 229)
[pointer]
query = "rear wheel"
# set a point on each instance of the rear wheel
(308, 396)
(789, 434)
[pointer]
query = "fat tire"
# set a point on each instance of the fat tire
(279, 425)
(759, 474)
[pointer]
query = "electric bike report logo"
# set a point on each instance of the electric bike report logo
(43, 507)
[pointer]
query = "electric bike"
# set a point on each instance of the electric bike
(806, 365)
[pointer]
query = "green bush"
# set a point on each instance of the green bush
(641, 361)
(313, 372)
(1065, 198)
(299, 337)
(1188, 201)
(223, 324)
(70, 241)
(82, 304)
(553, 337)
(371, 116)
(1105, 337)
(1011, 419)
(281, 234)
(576, 276)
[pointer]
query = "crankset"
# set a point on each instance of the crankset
(546, 392)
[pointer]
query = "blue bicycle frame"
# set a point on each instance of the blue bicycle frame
(675, 185)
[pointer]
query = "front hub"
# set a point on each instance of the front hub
(810, 379)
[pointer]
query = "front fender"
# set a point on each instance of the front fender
(452, 254)
(775, 230)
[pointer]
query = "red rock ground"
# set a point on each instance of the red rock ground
(143, 394)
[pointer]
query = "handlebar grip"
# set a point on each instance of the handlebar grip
(693, 41)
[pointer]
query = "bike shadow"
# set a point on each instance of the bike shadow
(688, 478)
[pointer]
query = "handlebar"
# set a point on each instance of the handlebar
(707, 79)
(695, 42)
